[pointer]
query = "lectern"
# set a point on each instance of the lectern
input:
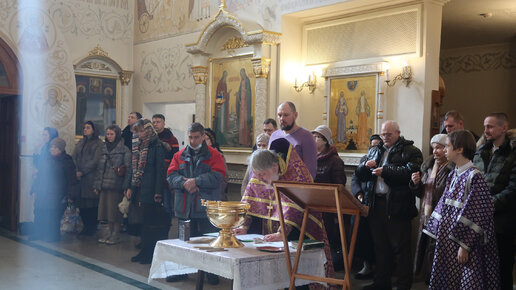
(330, 198)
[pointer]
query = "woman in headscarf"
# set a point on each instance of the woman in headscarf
(48, 135)
(86, 156)
(116, 158)
(145, 187)
(429, 186)
(330, 169)
(262, 141)
(54, 185)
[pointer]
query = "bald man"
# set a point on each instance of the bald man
(387, 171)
(300, 138)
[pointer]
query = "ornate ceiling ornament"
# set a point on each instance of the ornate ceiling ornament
(234, 43)
(98, 51)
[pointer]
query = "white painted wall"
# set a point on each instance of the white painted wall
(178, 116)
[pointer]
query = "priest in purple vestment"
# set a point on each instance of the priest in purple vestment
(280, 162)
(462, 223)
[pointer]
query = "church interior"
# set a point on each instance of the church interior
(65, 62)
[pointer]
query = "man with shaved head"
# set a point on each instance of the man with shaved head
(387, 171)
(497, 161)
(300, 138)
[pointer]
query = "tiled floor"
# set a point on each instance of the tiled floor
(82, 263)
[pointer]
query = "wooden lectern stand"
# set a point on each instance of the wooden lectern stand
(331, 198)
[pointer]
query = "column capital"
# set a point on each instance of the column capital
(261, 67)
(125, 77)
(200, 74)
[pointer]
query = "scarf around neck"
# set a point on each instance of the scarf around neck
(140, 149)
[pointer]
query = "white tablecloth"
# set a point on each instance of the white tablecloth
(248, 267)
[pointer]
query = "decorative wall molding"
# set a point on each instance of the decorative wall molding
(352, 69)
(250, 32)
(478, 62)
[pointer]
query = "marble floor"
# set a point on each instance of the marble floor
(82, 263)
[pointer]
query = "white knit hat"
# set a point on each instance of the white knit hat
(439, 139)
(325, 131)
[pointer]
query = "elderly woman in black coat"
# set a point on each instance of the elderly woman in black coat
(55, 183)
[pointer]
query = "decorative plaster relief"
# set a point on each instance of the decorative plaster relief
(156, 19)
(7, 8)
(165, 70)
(119, 4)
(478, 62)
(33, 31)
(52, 104)
(90, 21)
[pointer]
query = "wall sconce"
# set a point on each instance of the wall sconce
(310, 84)
(405, 75)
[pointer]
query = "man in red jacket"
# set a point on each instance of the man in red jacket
(196, 172)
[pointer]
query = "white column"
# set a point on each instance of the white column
(126, 98)
(261, 68)
(200, 75)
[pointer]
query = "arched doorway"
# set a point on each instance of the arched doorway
(9, 151)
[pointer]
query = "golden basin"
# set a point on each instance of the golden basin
(226, 215)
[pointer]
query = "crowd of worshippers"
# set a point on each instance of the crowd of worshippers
(466, 194)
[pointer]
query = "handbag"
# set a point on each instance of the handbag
(120, 171)
(71, 221)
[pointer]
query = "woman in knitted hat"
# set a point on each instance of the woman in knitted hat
(87, 155)
(330, 169)
(55, 183)
(428, 185)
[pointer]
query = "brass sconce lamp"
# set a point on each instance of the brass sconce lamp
(310, 84)
(405, 75)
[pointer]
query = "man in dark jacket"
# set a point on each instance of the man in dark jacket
(497, 160)
(127, 134)
(196, 172)
(392, 205)
(169, 142)
(364, 246)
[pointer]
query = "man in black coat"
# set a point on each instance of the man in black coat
(497, 160)
(127, 134)
(392, 204)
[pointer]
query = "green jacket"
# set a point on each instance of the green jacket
(499, 170)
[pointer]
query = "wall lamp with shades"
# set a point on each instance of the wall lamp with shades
(310, 84)
(405, 75)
